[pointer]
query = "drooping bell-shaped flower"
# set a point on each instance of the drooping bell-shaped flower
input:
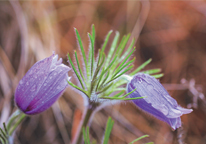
(42, 85)
(156, 99)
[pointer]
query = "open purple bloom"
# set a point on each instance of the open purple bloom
(157, 101)
(42, 85)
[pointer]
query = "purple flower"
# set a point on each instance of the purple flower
(42, 85)
(157, 101)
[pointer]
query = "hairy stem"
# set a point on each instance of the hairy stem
(88, 112)
(22, 116)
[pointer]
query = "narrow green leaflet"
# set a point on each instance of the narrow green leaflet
(79, 67)
(144, 136)
(125, 65)
(92, 54)
(152, 71)
(105, 88)
(105, 79)
(3, 139)
(120, 45)
(3, 136)
(108, 130)
(122, 73)
(77, 74)
(158, 75)
(127, 51)
(86, 135)
(89, 62)
(122, 98)
(81, 46)
(141, 67)
(112, 49)
(119, 94)
(22, 116)
(5, 128)
(78, 88)
(106, 41)
(123, 45)
(122, 63)
(93, 33)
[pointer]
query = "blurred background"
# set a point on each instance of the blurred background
(172, 33)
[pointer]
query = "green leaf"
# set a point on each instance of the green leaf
(12, 118)
(81, 46)
(120, 83)
(127, 51)
(103, 72)
(92, 54)
(106, 41)
(119, 94)
(22, 116)
(3, 133)
(121, 73)
(116, 97)
(119, 89)
(105, 79)
(78, 88)
(93, 32)
(128, 93)
(88, 140)
(123, 45)
(79, 66)
(108, 130)
(5, 128)
(124, 60)
(120, 98)
(112, 49)
(125, 65)
(110, 65)
(144, 136)
(70, 61)
(86, 135)
(152, 71)
(3, 139)
(105, 88)
(141, 67)
(158, 75)
(132, 98)
(96, 73)
(100, 80)
(120, 45)
(89, 66)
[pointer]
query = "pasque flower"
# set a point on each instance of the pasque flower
(156, 99)
(42, 85)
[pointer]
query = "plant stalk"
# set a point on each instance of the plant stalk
(89, 111)
(15, 119)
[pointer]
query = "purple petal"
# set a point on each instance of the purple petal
(42, 85)
(157, 101)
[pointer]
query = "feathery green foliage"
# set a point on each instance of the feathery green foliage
(103, 75)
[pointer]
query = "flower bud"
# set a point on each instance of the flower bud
(42, 85)
(156, 101)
